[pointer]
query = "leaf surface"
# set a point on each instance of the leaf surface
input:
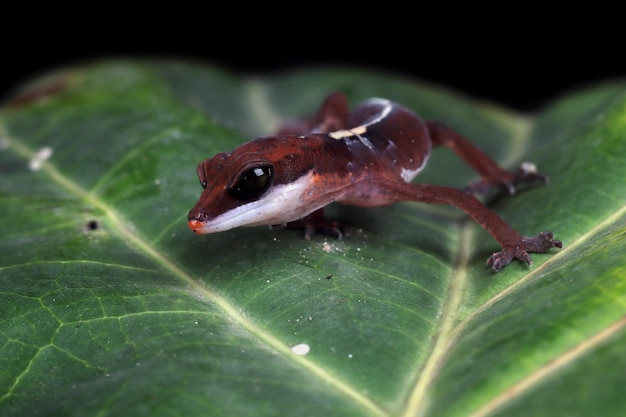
(111, 306)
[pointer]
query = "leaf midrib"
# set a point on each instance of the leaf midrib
(121, 226)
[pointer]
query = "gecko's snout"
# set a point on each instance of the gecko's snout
(195, 225)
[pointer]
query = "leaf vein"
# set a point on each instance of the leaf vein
(132, 237)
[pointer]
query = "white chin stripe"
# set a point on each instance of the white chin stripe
(282, 204)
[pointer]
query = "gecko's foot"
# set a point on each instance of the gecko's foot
(527, 173)
(327, 228)
(317, 223)
(535, 244)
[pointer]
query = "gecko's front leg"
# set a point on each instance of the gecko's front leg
(331, 116)
(316, 222)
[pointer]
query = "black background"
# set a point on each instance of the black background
(522, 64)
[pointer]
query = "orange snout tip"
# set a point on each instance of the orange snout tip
(195, 225)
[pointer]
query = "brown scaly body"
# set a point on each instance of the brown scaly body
(367, 157)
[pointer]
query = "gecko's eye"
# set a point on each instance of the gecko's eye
(253, 182)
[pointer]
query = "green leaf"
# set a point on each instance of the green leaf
(109, 305)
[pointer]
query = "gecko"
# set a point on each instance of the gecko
(365, 157)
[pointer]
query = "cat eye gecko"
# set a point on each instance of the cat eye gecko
(367, 157)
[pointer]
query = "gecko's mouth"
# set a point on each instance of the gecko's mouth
(282, 204)
(196, 226)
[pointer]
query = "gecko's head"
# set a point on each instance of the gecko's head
(259, 183)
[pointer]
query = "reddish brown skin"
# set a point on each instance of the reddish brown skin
(348, 171)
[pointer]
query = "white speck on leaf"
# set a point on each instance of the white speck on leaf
(39, 158)
(301, 349)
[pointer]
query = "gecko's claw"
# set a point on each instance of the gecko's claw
(535, 244)
(526, 173)
(330, 228)
(317, 223)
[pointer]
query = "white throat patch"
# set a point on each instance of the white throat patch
(282, 204)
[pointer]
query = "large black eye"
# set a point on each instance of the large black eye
(253, 182)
